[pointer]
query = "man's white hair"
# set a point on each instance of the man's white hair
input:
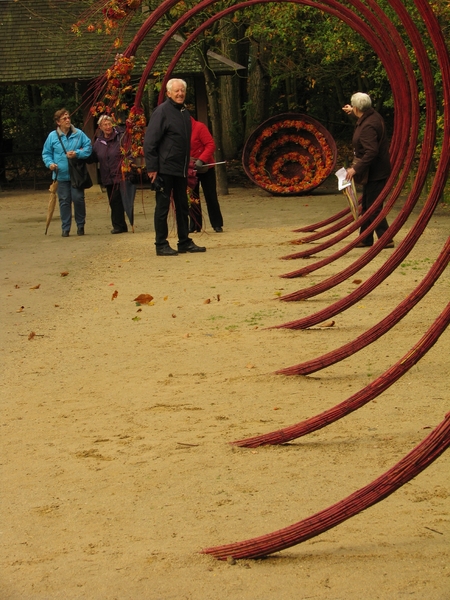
(361, 101)
(172, 82)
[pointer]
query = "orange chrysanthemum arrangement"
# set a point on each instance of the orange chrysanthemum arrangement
(104, 16)
(289, 154)
(133, 148)
(118, 90)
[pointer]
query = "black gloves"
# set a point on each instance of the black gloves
(157, 185)
(200, 166)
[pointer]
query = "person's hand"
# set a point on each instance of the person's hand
(71, 154)
(350, 174)
(200, 166)
(152, 175)
(347, 109)
(53, 167)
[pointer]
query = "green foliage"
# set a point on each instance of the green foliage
(27, 112)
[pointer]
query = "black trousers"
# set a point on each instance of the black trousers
(177, 188)
(371, 191)
(208, 183)
(116, 204)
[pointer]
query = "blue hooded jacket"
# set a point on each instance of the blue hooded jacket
(53, 151)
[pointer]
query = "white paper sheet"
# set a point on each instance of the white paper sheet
(342, 181)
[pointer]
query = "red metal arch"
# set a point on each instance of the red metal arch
(439, 440)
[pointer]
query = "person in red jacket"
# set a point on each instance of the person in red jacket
(202, 153)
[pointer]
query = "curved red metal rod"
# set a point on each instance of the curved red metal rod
(317, 235)
(371, 391)
(415, 232)
(158, 13)
(398, 154)
(155, 16)
(387, 23)
(406, 469)
(378, 330)
(426, 71)
(406, 140)
(370, 284)
(350, 18)
(355, 225)
(324, 223)
(385, 30)
(350, 21)
(311, 251)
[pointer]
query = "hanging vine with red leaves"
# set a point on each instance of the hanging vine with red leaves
(104, 17)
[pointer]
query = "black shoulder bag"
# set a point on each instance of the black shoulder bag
(79, 174)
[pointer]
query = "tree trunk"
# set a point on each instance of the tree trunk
(258, 91)
(230, 94)
(214, 112)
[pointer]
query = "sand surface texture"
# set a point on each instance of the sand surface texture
(117, 418)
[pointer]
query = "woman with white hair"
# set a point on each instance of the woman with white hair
(106, 151)
(372, 165)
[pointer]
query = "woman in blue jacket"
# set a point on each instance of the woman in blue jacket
(64, 143)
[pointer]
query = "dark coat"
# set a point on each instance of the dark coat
(371, 146)
(168, 139)
(107, 152)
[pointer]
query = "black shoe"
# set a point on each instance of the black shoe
(191, 247)
(119, 230)
(166, 251)
(218, 229)
(80, 231)
(65, 234)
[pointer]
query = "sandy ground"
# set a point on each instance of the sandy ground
(116, 418)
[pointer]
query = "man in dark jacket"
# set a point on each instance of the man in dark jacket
(372, 166)
(167, 150)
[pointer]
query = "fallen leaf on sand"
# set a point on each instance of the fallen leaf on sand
(186, 335)
(115, 294)
(207, 301)
(174, 316)
(17, 286)
(250, 366)
(35, 287)
(31, 336)
(327, 324)
(144, 298)
(165, 298)
(357, 281)
(20, 309)
(64, 273)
